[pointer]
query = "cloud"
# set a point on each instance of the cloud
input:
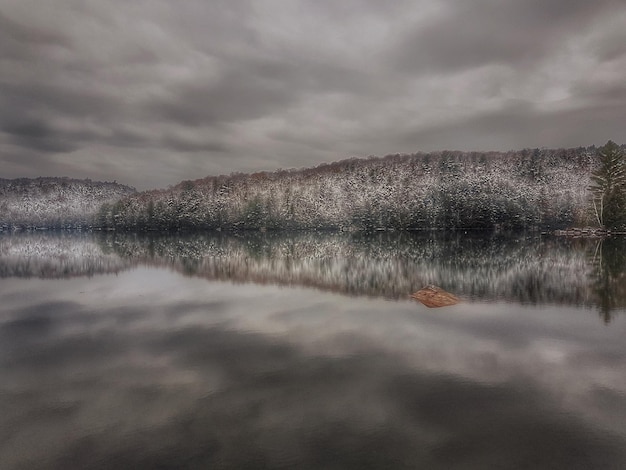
(481, 32)
(20, 42)
(522, 125)
(239, 95)
(36, 135)
(185, 91)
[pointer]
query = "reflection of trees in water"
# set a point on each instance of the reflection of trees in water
(392, 265)
(55, 255)
(608, 277)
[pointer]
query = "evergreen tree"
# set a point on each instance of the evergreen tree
(608, 187)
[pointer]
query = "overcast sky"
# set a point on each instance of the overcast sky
(151, 92)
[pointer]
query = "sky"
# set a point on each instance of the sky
(152, 92)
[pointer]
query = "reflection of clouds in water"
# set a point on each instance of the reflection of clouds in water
(150, 368)
(563, 351)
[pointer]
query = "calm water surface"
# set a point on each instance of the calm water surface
(304, 351)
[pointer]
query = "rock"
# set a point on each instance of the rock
(433, 296)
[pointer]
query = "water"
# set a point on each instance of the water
(305, 351)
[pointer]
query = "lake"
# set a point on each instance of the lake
(262, 350)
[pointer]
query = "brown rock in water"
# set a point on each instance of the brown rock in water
(433, 296)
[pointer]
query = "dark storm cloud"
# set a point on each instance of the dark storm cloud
(215, 87)
(36, 135)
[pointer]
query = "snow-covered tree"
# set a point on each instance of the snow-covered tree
(608, 187)
(56, 202)
(519, 190)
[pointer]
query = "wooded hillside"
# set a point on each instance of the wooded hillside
(527, 189)
(54, 202)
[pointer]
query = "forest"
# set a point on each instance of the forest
(531, 189)
(59, 203)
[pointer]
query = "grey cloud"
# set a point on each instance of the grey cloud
(19, 42)
(609, 94)
(254, 87)
(36, 135)
(18, 161)
(521, 125)
(236, 96)
(30, 114)
(53, 98)
(611, 41)
(186, 145)
(274, 85)
(480, 32)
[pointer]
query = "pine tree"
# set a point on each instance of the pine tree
(608, 187)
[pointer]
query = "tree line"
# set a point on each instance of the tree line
(531, 189)
(528, 189)
(51, 202)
